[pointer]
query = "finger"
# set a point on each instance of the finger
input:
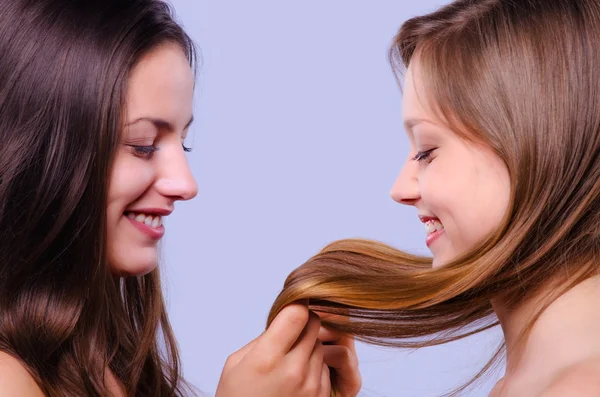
(339, 357)
(345, 364)
(325, 381)
(315, 365)
(330, 337)
(285, 329)
(327, 335)
(305, 345)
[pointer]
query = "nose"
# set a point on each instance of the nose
(406, 187)
(175, 179)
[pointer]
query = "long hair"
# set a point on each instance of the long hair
(63, 75)
(520, 77)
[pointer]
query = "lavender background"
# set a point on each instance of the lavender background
(297, 140)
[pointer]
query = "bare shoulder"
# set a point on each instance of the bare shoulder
(581, 380)
(15, 380)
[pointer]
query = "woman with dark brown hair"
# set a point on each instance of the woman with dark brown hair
(95, 103)
(501, 108)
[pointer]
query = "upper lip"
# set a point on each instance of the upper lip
(426, 219)
(154, 211)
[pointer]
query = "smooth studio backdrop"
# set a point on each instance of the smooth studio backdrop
(297, 141)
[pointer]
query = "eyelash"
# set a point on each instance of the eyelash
(147, 151)
(423, 156)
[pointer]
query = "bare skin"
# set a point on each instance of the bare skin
(288, 359)
(562, 355)
(465, 189)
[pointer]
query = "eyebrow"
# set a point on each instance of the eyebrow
(161, 123)
(410, 123)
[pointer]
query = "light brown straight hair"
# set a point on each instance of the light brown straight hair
(523, 78)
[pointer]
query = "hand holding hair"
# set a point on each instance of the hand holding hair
(339, 355)
(286, 360)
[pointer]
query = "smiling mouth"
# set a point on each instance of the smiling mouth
(151, 220)
(432, 226)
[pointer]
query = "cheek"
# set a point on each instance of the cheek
(484, 196)
(129, 180)
(442, 188)
(470, 198)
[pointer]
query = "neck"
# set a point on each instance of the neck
(565, 334)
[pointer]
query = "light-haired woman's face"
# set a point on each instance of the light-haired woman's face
(460, 189)
(150, 172)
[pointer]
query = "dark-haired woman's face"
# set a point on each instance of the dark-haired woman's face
(151, 171)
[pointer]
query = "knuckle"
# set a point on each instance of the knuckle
(294, 375)
(230, 362)
(266, 364)
(312, 386)
(348, 356)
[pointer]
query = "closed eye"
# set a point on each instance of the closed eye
(143, 151)
(424, 155)
(147, 151)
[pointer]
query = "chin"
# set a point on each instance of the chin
(141, 270)
(133, 266)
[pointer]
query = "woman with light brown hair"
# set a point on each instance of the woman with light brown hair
(502, 109)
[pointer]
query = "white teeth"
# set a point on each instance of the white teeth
(153, 221)
(432, 226)
(429, 227)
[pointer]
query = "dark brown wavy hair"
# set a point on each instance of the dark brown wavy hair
(521, 77)
(64, 67)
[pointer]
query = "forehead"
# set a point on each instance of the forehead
(418, 105)
(161, 85)
(413, 98)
